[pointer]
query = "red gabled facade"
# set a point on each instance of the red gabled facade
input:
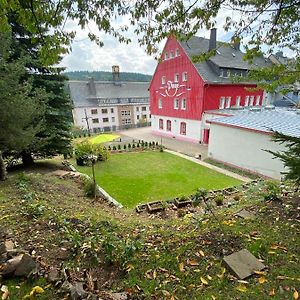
(175, 81)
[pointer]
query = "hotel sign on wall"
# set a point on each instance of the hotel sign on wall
(172, 89)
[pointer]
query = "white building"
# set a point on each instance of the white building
(240, 138)
(109, 105)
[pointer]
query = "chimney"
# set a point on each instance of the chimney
(116, 74)
(92, 86)
(213, 39)
(236, 43)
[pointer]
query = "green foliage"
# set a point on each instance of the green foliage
(290, 157)
(89, 188)
(219, 199)
(271, 191)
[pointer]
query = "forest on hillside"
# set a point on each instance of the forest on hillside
(107, 76)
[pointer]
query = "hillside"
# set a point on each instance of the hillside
(107, 76)
(174, 255)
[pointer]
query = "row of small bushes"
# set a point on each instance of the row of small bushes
(133, 146)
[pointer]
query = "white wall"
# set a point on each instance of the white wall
(193, 128)
(244, 149)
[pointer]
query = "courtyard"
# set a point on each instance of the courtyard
(139, 177)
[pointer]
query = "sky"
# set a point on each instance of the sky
(87, 55)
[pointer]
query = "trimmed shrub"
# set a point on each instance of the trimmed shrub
(114, 148)
(219, 200)
(119, 147)
(125, 147)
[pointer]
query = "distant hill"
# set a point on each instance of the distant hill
(107, 76)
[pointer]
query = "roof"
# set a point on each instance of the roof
(108, 92)
(227, 57)
(286, 121)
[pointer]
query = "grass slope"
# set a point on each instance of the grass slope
(134, 178)
(160, 258)
(97, 139)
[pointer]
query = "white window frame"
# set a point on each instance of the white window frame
(257, 100)
(177, 52)
(125, 113)
(163, 80)
(251, 100)
(171, 54)
(176, 103)
(228, 102)
(247, 100)
(238, 101)
(166, 56)
(176, 77)
(160, 103)
(183, 104)
(222, 102)
(184, 76)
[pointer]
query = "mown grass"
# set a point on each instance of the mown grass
(97, 139)
(139, 177)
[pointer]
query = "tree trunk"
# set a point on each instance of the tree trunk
(27, 158)
(3, 173)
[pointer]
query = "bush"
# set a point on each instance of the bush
(101, 152)
(114, 148)
(138, 145)
(119, 147)
(133, 146)
(146, 144)
(109, 148)
(219, 199)
(125, 147)
(88, 187)
(129, 146)
(272, 191)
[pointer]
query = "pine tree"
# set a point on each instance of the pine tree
(21, 113)
(291, 156)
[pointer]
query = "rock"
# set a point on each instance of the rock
(21, 265)
(120, 296)
(245, 214)
(53, 275)
(77, 291)
(9, 245)
(243, 263)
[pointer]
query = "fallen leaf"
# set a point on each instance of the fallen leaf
(262, 279)
(5, 291)
(296, 295)
(271, 252)
(209, 277)
(243, 281)
(192, 262)
(222, 273)
(203, 280)
(154, 274)
(200, 253)
(172, 298)
(181, 267)
(274, 247)
(272, 292)
(284, 277)
(259, 272)
(129, 267)
(213, 297)
(241, 288)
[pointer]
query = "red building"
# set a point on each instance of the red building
(181, 91)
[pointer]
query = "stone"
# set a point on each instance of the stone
(9, 245)
(243, 263)
(53, 275)
(77, 292)
(120, 296)
(21, 265)
(60, 173)
(245, 214)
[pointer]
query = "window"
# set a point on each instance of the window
(251, 100)
(137, 117)
(161, 124)
(183, 128)
(247, 101)
(176, 103)
(104, 111)
(169, 125)
(137, 109)
(183, 104)
(112, 110)
(94, 111)
(105, 120)
(176, 77)
(160, 104)
(184, 76)
(257, 102)
(238, 101)
(125, 112)
(95, 121)
(113, 119)
(166, 55)
(163, 80)
(177, 52)
(222, 103)
(228, 100)
(145, 117)
(126, 121)
(171, 54)
(144, 108)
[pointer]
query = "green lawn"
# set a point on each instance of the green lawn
(133, 178)
(97, 139)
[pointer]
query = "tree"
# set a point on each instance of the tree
(291, 156)
(271, 23)
(21, 113)
(54, 137)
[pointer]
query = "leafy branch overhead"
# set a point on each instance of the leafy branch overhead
(262, 22)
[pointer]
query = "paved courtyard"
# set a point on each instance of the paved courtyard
(144, 133)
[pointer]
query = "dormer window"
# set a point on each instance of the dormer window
(177, 52)
(163, 80)
(171, 54)
(184, 76)
(166, 55)
(176, 77)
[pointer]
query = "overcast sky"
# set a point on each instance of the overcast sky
(86, 55)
